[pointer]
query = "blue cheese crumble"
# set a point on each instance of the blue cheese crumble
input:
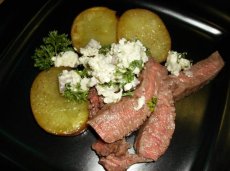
(140, 103)
(66, 59)
(72, 78)
(176, 62)
(113, 72)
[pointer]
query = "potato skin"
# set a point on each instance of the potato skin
(99, 23)
(147, 27)
(53, 112)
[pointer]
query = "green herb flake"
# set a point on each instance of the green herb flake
(78, 96)
(83, 73)
(52, 45)
(136, 64)
(148, 52)
(128, 93)
(152, 103)
(104, 49)
(128, 76)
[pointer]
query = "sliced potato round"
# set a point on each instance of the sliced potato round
(99, 23)
(53, 112)
(147, 27)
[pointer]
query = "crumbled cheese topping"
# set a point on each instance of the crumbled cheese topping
(66, 59)
(72, 78)
(140, 103)
(127, 51)
(111, 73)
(110, 94)
(176, 62)
(91, 49)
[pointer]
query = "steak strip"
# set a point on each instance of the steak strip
(117, 148)
(201, 73)
(154, 137)
(115, 156)
(95, 102)
(117, 120)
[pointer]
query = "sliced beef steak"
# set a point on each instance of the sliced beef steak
(117, 148)
(115, 156)
(115, 121)
(95, 102)
(154, 137)
(201, 73)
(155, 134)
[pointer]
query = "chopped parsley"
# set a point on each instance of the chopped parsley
(152, 103)
(136, 64)
(79, 95)
(127, 93)
(52, 45)
(104, 49)
(83, 73)
(128, 76)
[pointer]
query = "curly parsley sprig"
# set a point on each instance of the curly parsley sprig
(52, 45)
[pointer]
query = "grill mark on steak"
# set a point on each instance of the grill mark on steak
(115, 121)
(202, 72)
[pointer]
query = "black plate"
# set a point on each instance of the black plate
(201, 140)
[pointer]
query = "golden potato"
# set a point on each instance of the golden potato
(99, 23)
(53, 112)
(147, 27)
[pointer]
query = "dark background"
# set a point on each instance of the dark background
(14, 15)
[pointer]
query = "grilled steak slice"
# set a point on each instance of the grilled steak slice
(115, 156)
(155, 134)
(114, 121)
(117, 148)
(154, 137)
(95, 102)
(201, 73)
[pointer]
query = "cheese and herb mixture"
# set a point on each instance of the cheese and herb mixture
(176, 62)
(113, 70)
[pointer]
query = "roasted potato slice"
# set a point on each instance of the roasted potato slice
(99, 23)
(147, 27)
(53, 112)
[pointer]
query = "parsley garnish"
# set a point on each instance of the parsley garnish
(148, 52)
(128, 76)
(135, 64)
(78, 95)
(152, 103)
(83, 73)
(127, 93)
(52, 45)
(104, 49)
